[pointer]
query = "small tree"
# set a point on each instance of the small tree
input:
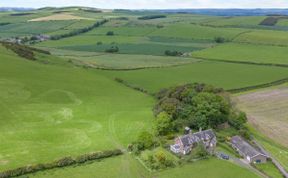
(163, 124)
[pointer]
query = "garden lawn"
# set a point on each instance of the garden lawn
(246, 53)
(220, 74)
(48, 112)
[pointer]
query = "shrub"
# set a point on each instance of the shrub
(99, 43)
(112, 49)
(173, 53)
(110, 33)
(220, 40)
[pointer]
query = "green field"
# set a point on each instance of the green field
(241, 21)
(122, 168)
(189, 31)
(228, 76)
(87, 112)
(63, 105)
(245, 53)
(266, 37)
(123, 61)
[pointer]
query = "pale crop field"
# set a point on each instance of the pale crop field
(267, 111)
(62, 16)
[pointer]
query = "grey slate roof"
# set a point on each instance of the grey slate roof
(244, 147)
(206, 135)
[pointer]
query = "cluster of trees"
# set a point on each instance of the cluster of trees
(173, 53)
(23, 51)
(66, 161)
(79, 31)
(112, 49)
(148, 17)
(197, 106)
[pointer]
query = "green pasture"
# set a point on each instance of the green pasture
(226, 75)
(237, 21)
(92, 40)
(123, 31)
(50, 111)
(127, 167)
(35, 27)
(282, 22)
(132, 48)
(189, 31)
(266, 37)
(123, 61)
(245, 53)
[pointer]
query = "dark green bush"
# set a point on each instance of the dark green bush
(110, 33)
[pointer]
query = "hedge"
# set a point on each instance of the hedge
(63, 162)
(79, 31)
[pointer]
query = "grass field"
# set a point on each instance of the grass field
(123, 169)
(228, 76)
(270, 169)
(44, 118)
(34, 27)
(246, 53)
(241, 21)
(123, 61)
(189, 31)
(267, 37)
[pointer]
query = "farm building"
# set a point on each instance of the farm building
(185, 143)
(247, 151)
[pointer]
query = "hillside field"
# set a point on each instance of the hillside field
(43, 121)
(76, 95)
(246, 53)
(226, 75)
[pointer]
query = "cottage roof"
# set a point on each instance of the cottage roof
(244, 147)
(188, 140)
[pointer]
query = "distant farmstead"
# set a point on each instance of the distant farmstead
(186, 143)
(247, 151)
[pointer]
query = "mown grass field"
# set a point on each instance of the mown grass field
(226, 75)
(241, 21)
(197, 32)
(121, 168)
(245, 53)
(266, 37)
(44, 118)
(123, 61)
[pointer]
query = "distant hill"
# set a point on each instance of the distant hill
(230, 12)
(20, 9)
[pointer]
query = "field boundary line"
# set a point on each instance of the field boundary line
(242, 62)
(260, 86)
